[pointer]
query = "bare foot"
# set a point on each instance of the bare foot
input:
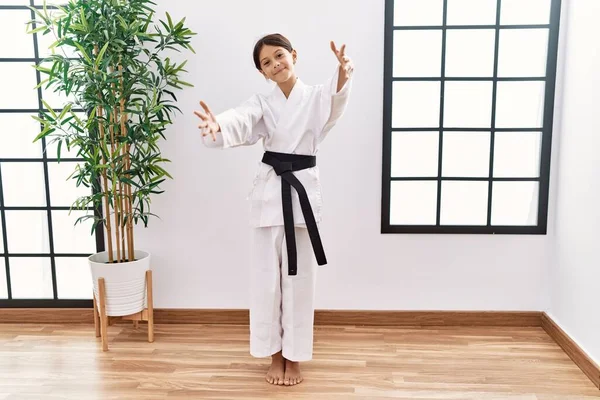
(293, 376)
(275, 374)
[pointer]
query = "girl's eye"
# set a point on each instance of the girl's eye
(280, 55)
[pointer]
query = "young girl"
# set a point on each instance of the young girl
(291, 121)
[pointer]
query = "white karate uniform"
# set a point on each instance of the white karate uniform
(282, 306)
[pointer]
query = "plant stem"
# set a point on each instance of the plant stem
(116, 196)
(105, 190)
(128, 200)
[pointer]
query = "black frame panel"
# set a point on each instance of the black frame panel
(55, 302)
(546, 130)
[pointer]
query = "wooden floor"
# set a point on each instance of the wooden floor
(212, 362)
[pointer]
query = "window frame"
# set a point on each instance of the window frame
(546, 129)
(6, 255)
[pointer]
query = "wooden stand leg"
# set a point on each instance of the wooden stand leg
(101, 320)
(103, 317)
(96, 318)
(150, 306)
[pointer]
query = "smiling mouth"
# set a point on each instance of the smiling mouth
(277, 73)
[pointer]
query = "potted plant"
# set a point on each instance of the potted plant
(121, 100)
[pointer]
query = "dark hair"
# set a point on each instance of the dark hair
(274, 39)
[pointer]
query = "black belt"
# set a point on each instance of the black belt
(284, 165)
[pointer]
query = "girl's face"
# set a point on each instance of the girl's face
(277, 64)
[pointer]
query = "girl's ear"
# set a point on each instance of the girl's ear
(294, 55)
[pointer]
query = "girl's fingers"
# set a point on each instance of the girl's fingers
(336, 52)
(209, 132)
(202, 116)
(206, 108)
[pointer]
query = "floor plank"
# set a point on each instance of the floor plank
(65, 361)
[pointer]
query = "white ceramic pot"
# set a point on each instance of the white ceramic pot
(125, 282)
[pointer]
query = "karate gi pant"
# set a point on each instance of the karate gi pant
(282, 306)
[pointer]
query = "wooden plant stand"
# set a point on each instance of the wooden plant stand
(102, 321)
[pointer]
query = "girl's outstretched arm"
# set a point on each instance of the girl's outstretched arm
(346, 65)
(336, 92)
(240, 126)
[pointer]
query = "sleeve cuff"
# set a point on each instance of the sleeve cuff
(224, 120)
(216, 144)
(333, 88)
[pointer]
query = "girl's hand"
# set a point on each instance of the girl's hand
(346, 64)
(209, 123)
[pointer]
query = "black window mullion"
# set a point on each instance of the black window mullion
(463, 179)
(34, 59)
(46, 255)
(452, 129)
(26, 8)
(28, 160)
(441, 123)
(30, 110)
(464, 229)
(472, 27)
(552, 56)
(4, 238)
(12, 7)
(45, 303)
(45, 163)
(469, 79)
(493, 121)
(17, 59)
(41, 208)
(388, 74)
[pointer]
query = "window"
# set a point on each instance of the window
(468, 110)
(43, 255)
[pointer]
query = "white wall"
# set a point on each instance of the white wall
(201, 245)
(574, 272)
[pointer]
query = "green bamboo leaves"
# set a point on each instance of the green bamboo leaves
(109, 58)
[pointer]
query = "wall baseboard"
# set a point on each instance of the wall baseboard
(46, 315)
(427, 318)
(576, 353)
(322, 317)
(336, 317)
